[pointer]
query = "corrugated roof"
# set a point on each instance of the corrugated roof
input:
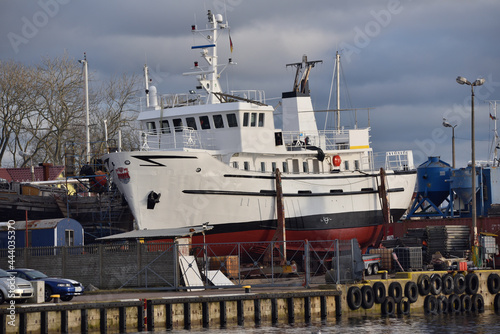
(24, 174)
(158, 233)
(34, 224)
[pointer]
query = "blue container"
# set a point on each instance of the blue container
(433, 178)
(461, 183)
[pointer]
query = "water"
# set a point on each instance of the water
(488, 322)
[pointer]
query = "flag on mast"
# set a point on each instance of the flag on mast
(493, 117)
(230, 43)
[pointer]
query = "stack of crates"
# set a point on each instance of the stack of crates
(386, 257)
(410, 258)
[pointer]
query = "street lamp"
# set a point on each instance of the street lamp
(448, 125)
(478, 82)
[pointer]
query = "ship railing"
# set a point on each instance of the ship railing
(180, 138)
(394, 160)
(325, 139)
(175, 100)
(255, 95)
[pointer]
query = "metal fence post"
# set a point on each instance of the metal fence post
(307, 265)
(175, 254)
(337, 261)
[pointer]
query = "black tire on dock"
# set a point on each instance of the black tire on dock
(496, 303)
(466, 303)
(388, 306)
(436, 284)
(454, 304)
(448, 284)
(411, 291)
(471, 283)
(493, 283)
(442, 304)
(477, 303)
(430, 305)
(424, 284)
(379, 292)
(354, 298)
(403, 307)
(395, 291)
(367, 297)
(459, 281)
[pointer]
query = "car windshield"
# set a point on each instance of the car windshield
(3, 273)
(35, 274)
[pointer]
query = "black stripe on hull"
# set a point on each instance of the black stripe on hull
(313, 223)
(273, 193)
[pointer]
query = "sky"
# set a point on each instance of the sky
(400, 58)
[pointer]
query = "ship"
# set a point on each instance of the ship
(216, 159)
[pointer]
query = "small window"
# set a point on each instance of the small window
(218, 122)
(261, 120)
(246, 165)
(204, 123)
(356, 164)
(70, 237)
(262, 166)
(295, 166)
(346, 165)
(285, 167)
(245, 119)
(305, 166)
(253, 119)
(151, 127)
(273, 166)
(315, 166)
(231, 120)
(191, 123)
(177, 124)
(165, 127)
(235, 165)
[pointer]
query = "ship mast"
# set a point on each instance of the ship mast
(209, 77)
(496, 142)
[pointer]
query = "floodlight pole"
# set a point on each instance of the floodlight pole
(478, 82)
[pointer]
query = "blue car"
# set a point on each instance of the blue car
(65, 288)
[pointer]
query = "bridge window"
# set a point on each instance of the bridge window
(273, 166)
(151, 127)
(253, 120)
(356, 164)
(177, 124)
(218, 122)
(285, 167)
(305, 166)
(165, 127)
(261, 119)
(204, 122)
(346, 165)
(235, 165)
(231, 120)
(245, 119)
(263, 166)
(191, 123)
(246, 165)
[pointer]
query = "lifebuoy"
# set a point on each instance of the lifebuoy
(436, 284)
(367, 297)
(493, 283)
(424, 285)
(459, 281)
(454, 304)
(395, 291)
(477, 303)
(354, 298)
(403, 307)
(442, 304)
(388, 306)
(466, 303)
(448, 285)
(336, 160)
(471, 284)
(411, 291)
(379, 292)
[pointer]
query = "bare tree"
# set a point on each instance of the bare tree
(15, 105)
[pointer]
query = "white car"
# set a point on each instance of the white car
(14, 288)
